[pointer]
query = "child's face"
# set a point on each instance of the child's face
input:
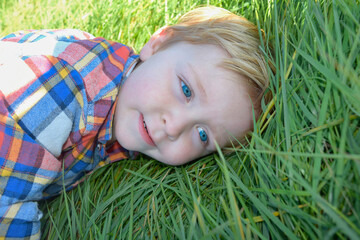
(185, 100)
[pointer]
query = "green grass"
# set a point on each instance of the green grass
(299, 176)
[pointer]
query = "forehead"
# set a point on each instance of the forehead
(226, 104)
(228, 109)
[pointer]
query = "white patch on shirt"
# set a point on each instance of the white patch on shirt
(14, 74)
(55, 134)
(43, 46)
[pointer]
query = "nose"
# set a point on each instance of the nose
(176, 123)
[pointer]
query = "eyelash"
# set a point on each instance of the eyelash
(203, 135)
(188, 94)
(186, 90)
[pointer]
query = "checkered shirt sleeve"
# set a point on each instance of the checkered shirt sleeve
(57, 95)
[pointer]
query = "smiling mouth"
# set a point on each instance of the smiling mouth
(143, 129)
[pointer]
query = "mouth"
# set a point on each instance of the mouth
(144, 131)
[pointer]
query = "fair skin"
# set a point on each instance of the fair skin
(178, 103)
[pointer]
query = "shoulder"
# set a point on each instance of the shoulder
(97, 61)
(36, 35)
(100, 62)
(39, 42)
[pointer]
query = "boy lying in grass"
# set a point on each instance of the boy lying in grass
(71, 103)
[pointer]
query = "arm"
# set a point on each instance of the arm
(20, 220)
(51, 104)
(35, 84)
(25, 170)
(26, 167)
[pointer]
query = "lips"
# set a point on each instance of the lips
(144, 132)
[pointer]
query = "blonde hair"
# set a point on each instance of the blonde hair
(236, 35)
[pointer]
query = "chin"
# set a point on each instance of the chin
(173, 162)
(127, 145)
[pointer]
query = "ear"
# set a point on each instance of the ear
(154, 43)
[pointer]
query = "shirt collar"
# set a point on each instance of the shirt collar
(105, 133)
(129, 67)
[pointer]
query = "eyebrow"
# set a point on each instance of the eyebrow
(200, 87)
(203, 98)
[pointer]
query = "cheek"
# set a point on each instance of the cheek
(180, 152)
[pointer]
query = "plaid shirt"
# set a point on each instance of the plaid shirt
(58, 91)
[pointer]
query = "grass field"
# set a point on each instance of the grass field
(299, 176)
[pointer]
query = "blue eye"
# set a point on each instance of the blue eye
(202, 134)
(186, 90)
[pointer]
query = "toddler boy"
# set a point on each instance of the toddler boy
(70, 103)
